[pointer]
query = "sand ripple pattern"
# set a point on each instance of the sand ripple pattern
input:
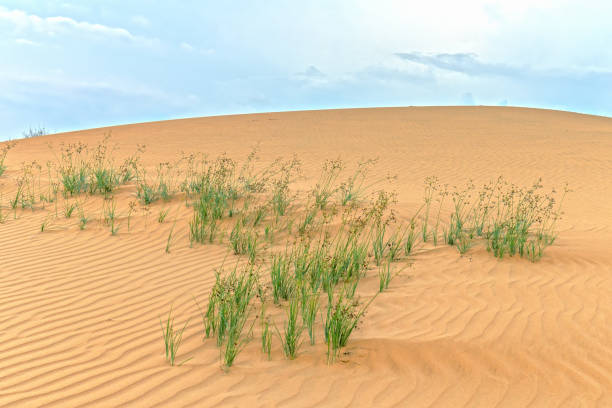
(79, 310)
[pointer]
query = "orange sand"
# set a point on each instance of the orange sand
(79, 310)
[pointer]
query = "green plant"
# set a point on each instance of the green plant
(324, 188)
(463, 242)
(283, 283)
(290, 338)
(411, 236)
(384, 276)
(353, 188)
(172, 338)
(170, 236)
(378, 242)
(310, 307)
(266, 335)
(3, 153)
(45, 224)
(342, 318)
(162, 215)
(69, 209)
(110, 216)
(244, 240)
(431, 184)
(131, 209)
(228, 310)
(34, 132)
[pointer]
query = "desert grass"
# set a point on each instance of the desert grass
(266, 334)
(384, 276)
(326, 186)
(283, 283)
(309, 302)
(244, 240)
(342, 318)
(332, 233)
(229, 308)
(34, 132)
(109, 211)
(291, 336)
(355, 187)
(45, 224)
(170, 239)
(69, 209)
(431, 184)
(81, 169)
(6, 147)
(132, 206)
(172, 338)
(161, 217)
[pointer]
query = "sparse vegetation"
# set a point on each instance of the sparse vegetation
(292, 333)
(34, 132)
(172, 338)
(3, 153)
(333, 234)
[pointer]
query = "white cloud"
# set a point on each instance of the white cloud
(25, 41)
(66, 25)
(186, 46)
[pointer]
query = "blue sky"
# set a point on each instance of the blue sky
(72, 65)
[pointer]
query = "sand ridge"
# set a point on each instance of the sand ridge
(79, 317)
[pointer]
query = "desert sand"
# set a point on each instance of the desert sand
(80, 310)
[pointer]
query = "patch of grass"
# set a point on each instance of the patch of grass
(83, 219)
(131, 209)
(280, 187)
(69, 209)
(163, 213)
(34, 132)
(170, 236)
(283, 284)
(384, 276)
(244, 240)
(291, 336)
(172, 338)
(310, 307)
(378, 243)
(110, 216)
(228, 310)
(353, 189)
(325, 188)
(266, 336)
(342, 318)
(411, 237)
(45, 224)
(431, 185)
(6, 147)
(463, 242)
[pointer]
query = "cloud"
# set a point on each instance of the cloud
(460, 62)
(313, 76)
(25, 41)
(313, 71)
(469, 64)
(66, 25)
(186, 46)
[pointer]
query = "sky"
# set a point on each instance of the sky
(74, 65)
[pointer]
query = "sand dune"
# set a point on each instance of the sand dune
(79, 310)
